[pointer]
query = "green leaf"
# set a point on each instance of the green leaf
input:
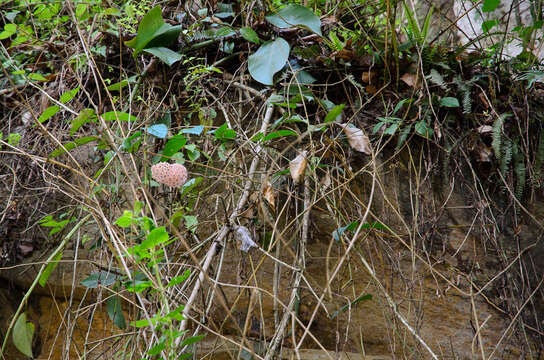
(335, 113)
(179, 279)
(23, 332)
(123, 116)
(223, 133)
(142, 323)
(49, 269)
(490, 5)
(69, 95)
(125, 220)
(173, 145)
(36, 77)
(132, 143)
(9, 29)
(155, 350)
(158, 130)
(48, 113)
(115, 313)
(191, 340)
(85, 116)
(295, 15)
(153, 31)
(489, 24)
(305, 77)
(250, 35)
(155, 237)
(72, 145)
(449, 102)
(118, 85)
(423, 129)
(191, 222)
(279, 133)
(345, 307)
(268, 60)
(337, 234)
(167, 56)
(195, 130)
(103, 278)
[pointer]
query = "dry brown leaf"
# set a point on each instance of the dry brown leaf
(484, 154)
(410, 80)
(356, 138)
(297, 167)
(326, 180)
(368, 77)
(484, 129)
(371, 89)
(269, 194)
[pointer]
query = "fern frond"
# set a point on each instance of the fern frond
(497, 136)
(437, 79)
(506, 157)
(520, 171)
(539, 160)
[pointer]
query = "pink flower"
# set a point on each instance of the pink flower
(169, 174)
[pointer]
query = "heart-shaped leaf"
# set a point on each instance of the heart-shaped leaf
(250, 35)
(166, 55)
(22, 335)
(268, 60)
(153, 32)
(295, 15)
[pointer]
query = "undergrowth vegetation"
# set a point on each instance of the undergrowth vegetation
(355, 126)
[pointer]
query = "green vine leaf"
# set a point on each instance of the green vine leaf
(268, 60)
(295, 15)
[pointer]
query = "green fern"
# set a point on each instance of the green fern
(496, 144)
(506, 158)
(519, 171)
(539, 160)
(437, 79)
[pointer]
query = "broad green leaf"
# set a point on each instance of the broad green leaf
(69, 95)
(9, 29)
(49, 269)
(48, 113)
(279, 133)
(115, 313)
(223, 133)
(85, 116)
(155, 237)
(37, 77)
(153, 31)
(305, 77)
(158, 130)
(250, 35)
(155, 350)
(490, 5)
(295, 15)
(103, 278)
(142, 323)
(335, 113)
(191, 222)
(125, 220)
(23, 332)
(123, 116)
(132, 143)
(72, 145)
(173, 145)
(195, 130)
(168, 56)
(268, 60)
(449, 102)
(423, 129)
(192, 152)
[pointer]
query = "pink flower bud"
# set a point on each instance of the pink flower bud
(169, 174)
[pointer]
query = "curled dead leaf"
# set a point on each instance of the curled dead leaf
(356, 138)
(484, 129)
(410, 80)
(269, 193)
(243, 238)
(297, 167)
(368, 77)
